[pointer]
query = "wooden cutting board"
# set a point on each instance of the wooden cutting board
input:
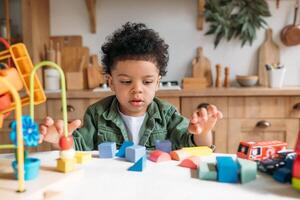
(72, 57)
(269, 53)
(95, 73)
(202, 67)
(67, 40)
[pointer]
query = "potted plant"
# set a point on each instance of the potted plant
(31, 137)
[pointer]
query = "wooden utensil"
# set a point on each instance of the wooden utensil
(269, 53)
(67, 40)
(290, 35)
(227, 77)
(202, 67)
(218, 76)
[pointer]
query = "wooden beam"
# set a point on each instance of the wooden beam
(91, 6)
(6, 12)
(200, 18)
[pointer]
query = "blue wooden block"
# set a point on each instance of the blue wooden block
(283, 175)
(248, 170)
(227, 169)
(134, 153)
(121, 152)
(163, 145)
(107, 149)
(139, 166)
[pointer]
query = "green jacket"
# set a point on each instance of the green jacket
(103, 123)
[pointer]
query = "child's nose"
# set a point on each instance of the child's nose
(137, 88)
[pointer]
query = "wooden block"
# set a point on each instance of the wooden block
(122, 150)
(198, 151)
(134, 153)
(163, 145)
(189, 83)
(82, 157)
(139, 166)
(65, 165)
(296, 183)
(248, 170)
(227, 169)
(190, 162)
(179, 154)
(53, 195)
(74, 80)
(107, 149)
(159, 156)
(207, 171)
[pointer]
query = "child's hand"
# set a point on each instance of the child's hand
(203, 120)
(51, 132)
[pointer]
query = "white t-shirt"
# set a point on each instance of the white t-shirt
(133, 126)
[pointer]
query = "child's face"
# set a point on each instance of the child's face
(135, 83)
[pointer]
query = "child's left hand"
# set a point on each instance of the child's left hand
(203, 120)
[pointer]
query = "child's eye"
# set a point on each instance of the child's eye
(147, 82)
(125, 82)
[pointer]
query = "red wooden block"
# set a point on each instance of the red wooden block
(191, 162)
(159, 156)
(296, 168)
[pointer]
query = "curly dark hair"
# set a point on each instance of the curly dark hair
(134, 41)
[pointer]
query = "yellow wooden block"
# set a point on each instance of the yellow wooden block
(198, 151)
(82, 157)
(65, 165)
(296, 183)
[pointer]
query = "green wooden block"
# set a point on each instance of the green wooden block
(248, 170)
(296, 183)
(207, 171)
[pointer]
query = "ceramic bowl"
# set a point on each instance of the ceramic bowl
(247, 81)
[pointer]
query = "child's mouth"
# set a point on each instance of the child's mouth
(136, 102)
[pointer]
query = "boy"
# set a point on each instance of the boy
(134, 59)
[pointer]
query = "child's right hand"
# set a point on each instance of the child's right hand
(51, 131)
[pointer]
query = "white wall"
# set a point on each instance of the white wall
(175, 20)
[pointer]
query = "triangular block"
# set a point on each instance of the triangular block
(122, 150)
(139, 165)
(179, 154)
(159, 156)
(191, 162)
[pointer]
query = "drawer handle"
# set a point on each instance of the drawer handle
(70, 108)
(202, 105)
(296, 106)
(263, 124)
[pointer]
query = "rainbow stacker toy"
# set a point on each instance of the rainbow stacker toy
(17, 74)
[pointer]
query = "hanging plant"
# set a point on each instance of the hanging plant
(235, 19)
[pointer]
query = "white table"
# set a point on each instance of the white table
(109, 179)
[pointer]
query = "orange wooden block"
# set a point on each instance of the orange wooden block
(179, 154)
(191, 162)
(159, 156)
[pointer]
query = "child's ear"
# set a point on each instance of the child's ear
(110, 82)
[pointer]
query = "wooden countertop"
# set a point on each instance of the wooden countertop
(208, 92)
